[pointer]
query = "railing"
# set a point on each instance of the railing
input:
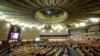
(5, 51)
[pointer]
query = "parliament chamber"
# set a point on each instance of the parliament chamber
(49, 27)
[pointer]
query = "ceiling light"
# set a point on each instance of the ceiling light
(66, 29)
(30, 26)
(82, 24)
(3, 17)
(11, 20)
(43, 25)
(21, 24)
(25, 25)
(59, 30)
(77, 25)
(14, 23)
(57, 26)
(51, 31)
(94, 19)
(54, 27)
(60, 27)
(43, 30)
(8, 24)
(23, 28)
(39, 27)
(49, 12)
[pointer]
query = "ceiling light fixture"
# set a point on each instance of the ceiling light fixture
(54, 27)
(30, 26)
(51, 31)
(11, 20)
(43, 30)
(66, 29)
(82, 24)
(25, 25)
(77, 25)
(3, 17)
(59, 30)
(13, 23)
(23, 28)
(8, 24)
(21, 24)
(16, 22)
(94, 20)
(60, 27)
(39, 27)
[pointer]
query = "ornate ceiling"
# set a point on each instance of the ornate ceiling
(77, 10)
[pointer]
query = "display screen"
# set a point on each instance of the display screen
(14, 33)
(14, 36)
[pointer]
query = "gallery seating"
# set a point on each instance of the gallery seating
(56, 49)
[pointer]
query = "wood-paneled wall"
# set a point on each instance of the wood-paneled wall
(4, 30)
(29, 33)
